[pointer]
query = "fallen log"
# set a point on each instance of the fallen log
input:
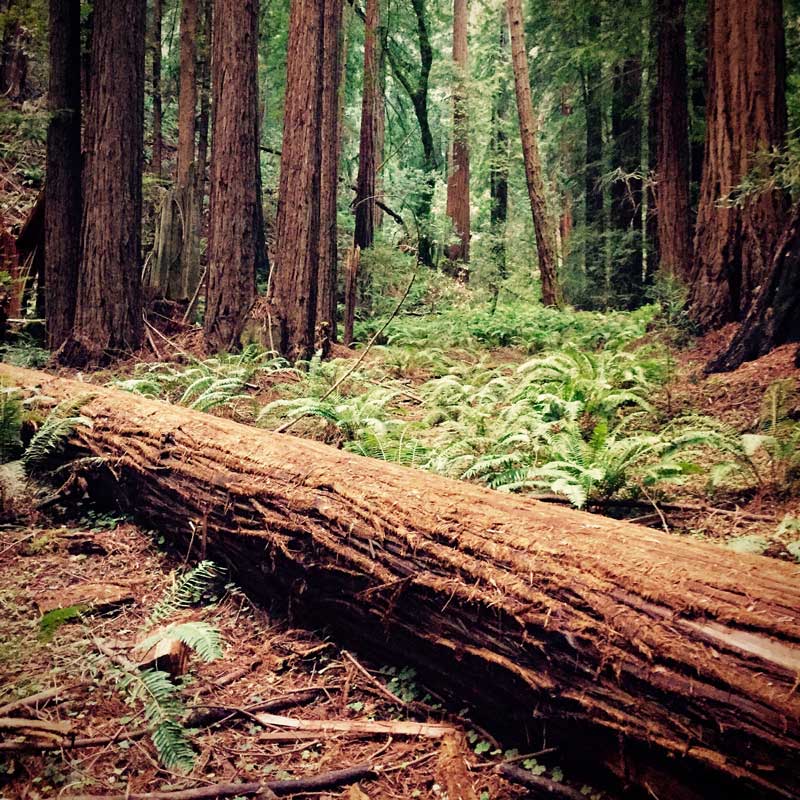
(673, 663)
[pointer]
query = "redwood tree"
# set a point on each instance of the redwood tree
(745, 114)
(290, 310)
(367, 155)
(672, 137)
(155, 77)
(108, 313)
(498, 169)
(551, 295)
(332, 67)
(63, 184)
(236, 232)
(458, 178)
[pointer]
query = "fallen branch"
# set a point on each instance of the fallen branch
(35, 726)
(214, 714)
(40, 698)
(540, 785)
(358, 727)
(325, 780)
(384, 690)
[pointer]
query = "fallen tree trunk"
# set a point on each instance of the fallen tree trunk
(674, 663)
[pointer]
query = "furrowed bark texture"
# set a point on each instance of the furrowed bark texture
(745, 114)
(674, 663)
(672, 125)
(236, 235)
(333, 69)
(108, 314)
(289, 313)
(458, 179)
(545, 240)
(63, 185)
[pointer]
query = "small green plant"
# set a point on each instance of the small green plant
(52, 437)
(10, 423)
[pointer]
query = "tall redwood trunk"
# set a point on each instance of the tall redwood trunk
(289, 313)
(594, 247)
(108, 313)
(498, 169)
(367, 155)
(204, 87)
(458, 180)
(746, 113)
(332, 66)
(236, 232)
(14, 50)
(155, 45)
(672, 123)
(627, 286)
(551, 295)
(63, 184)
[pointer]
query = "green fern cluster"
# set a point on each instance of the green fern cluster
(50, 440)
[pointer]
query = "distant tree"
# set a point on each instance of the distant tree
(14, 46)
(625, 216)
(290, 310)
(236, 230)
(458, 204)
(155, 77)
(551, 294)
(63, 184)
(672, 135)
(367, 154)
(108, 313)
(746, 113)
(204, 89)
(329, 169)
(498, 170)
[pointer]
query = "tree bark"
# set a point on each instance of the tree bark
(367, 154)
(236, 233)
(774, 318)
(672, 160)
(288, 315)
(458, 207)
(627, 285)
(746, 113)
(333, 70)
(673, 663)
(551, 294)
(594, 248)
(63, 184)
(155, 47)
(14, 57)
(108, 312)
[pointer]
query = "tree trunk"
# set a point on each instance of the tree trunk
(236, 234)
(155, 46)
(746, 113)
(626, 191)
(63, 184)
(458, 208)
(367, 154)
(288, 315)
(498, 168)
(672, 162)
(673, 663)
(204, 82)
(551, 294)
(333, 69)
(14, 58)
(774, 318)
(108, 312)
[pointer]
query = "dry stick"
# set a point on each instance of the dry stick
(39, 697)
(195, 296)
(544, 785)
(325, 780)
(384, 690)
(358, 727)
(287, 425)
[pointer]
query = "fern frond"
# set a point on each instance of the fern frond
(187, 590)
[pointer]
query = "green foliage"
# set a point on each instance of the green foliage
(52, 437)
(53, 620)
(187, 590)
(10, 423)
(200, 637)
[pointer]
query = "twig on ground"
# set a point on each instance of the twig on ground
(358, 727)
(544, 785)
(58, 693)
(384, 690)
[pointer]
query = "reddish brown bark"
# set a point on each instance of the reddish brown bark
(458, 208)
(672, 663)
(236, 233)
(367, 154)
(204, 87)
(672, 136)
(329, 169)
(290, 311)
(551, 294)
(746, 113)
(155, 47)
(63, 184)
(108, 314)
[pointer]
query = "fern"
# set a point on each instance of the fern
(186, 591)
(10, 423)
(51, 438)
(200, 637)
